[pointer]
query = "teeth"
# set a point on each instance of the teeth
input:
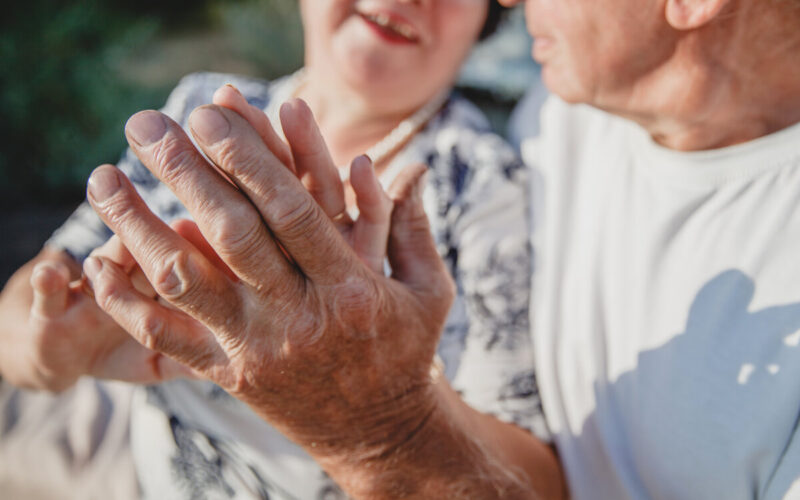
(405, 31)
(384, 21)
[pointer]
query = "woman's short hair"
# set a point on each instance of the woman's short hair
(493, 18)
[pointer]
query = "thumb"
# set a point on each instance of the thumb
(412, 251)
(50, 283)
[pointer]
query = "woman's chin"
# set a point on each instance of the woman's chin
(367, 70)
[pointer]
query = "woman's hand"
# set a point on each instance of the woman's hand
(55, 333)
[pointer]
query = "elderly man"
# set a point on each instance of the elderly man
(666, 308)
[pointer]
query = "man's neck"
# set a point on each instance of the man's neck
(744, 84)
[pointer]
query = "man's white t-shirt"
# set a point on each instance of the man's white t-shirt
(666, 310)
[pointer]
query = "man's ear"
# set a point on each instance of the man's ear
(692, 14)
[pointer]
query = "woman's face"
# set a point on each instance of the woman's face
(400, 52)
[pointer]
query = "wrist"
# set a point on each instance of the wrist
(435, 455)
(370, 432)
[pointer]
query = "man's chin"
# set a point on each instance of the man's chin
(543, 49)
(565, 88)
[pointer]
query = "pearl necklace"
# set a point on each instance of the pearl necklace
(382, 149)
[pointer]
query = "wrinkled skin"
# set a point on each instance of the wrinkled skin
(333, 353)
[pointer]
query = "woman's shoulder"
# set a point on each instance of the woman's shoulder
(196, 89)
(462, 128)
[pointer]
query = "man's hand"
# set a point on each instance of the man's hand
(301, 334)
(333, 354)
(367, 235)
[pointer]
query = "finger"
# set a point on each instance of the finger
(229, 97)
(50, 283)
(152, 325)
(371, 230)
(141, 283)
(225, 217)
(313, 162)
(412, 251)
(297, 222)
(116, 252)
(191, 233)
(175, 268)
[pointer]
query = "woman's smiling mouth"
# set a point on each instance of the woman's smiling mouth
(390, 27)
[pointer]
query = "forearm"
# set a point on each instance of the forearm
(456, 452)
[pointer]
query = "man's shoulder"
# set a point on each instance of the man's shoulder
(563, 120)
(571, 133)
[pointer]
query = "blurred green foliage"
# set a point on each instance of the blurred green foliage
(63, 96)
(268, 33)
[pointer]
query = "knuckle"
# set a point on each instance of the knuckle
(242, 382)
(171, 157)
(118, 208)
(105, 291)
(356, 305)
(234, 226)
(239, 159)
(175, 280)
(305, 329)
(151, 330)
(241, 238)
(296, 219)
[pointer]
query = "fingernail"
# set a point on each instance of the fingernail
(233, 88)
(92, 267)
(297, 109)
(362, 161)
(209, 125)
(103, 183)
(146, 127)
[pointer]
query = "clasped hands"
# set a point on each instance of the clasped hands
(291, 312)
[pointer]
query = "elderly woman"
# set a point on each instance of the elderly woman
(378, 77)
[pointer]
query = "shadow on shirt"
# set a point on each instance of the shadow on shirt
(712, 413)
